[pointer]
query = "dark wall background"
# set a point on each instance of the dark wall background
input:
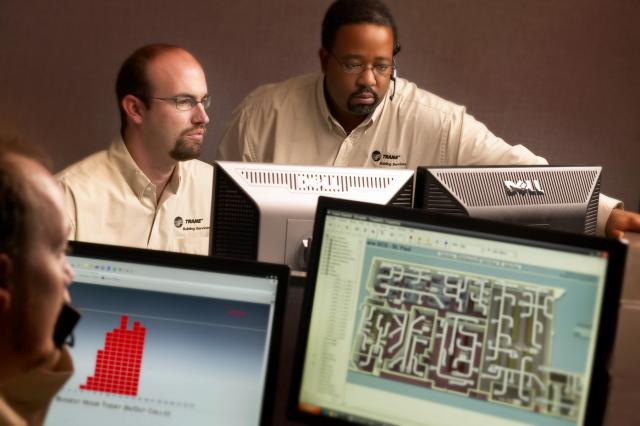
(562, 78)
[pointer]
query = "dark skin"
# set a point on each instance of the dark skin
(372, 44)
(621, 221)
(352, 96)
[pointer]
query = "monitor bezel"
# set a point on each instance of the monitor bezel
(210, 264)
(487, 210)
(274, 206)
(598, 389)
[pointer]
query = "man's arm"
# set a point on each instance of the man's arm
(478, 146)
(621, 221)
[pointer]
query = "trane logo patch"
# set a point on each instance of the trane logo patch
(528, 186)
(388, 159)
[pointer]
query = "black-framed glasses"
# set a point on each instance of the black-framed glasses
(187, 103)
(355, 67)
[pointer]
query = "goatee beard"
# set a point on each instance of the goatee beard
(363, 109)
(183, 150)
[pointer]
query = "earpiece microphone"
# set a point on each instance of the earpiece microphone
(393, 78)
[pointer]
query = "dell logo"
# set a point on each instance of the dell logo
(318, 183)
(528, 186)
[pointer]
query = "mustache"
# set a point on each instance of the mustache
(194, 128)
(364, 90)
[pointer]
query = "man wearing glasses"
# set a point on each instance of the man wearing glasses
(148, 189)
(357, 113)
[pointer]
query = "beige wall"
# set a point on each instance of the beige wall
(562, 78)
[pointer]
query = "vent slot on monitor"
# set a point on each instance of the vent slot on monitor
(436, 199)
(235, 220)
(316, 182)
(591, 218)
(404, 197)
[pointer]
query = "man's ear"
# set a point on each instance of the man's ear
(134, 108)
(6, 270)
(323, 54)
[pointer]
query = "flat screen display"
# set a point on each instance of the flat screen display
(424, 320)
(168, 344)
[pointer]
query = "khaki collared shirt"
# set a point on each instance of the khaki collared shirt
(290, 123)
(109, 200)
(25, 399)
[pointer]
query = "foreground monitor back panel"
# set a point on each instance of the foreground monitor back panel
(265, 211)
(171, 339)
(558, 197)
(412, 318)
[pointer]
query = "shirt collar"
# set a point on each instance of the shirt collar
(176, 178)
(331, 122)
(135, 178)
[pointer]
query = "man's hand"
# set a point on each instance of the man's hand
(621, 221)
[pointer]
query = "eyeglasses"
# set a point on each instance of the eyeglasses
(381, 70)
(187, 103)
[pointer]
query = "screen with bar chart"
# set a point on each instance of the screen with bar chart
(118, 365)
(161, 345)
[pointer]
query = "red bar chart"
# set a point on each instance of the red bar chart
(117, 368)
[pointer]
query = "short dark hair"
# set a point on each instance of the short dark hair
(16, 196)
(132, 77)
(346, 12)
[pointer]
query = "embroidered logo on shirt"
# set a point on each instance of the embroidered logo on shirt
(388, 159)
(194, 224)
(177, 222)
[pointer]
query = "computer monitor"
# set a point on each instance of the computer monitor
(265, 211)
(171, 339)
(412, 318)
(558, 197)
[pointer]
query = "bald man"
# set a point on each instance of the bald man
(148, 189)
(34, 276)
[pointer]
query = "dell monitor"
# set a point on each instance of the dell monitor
(171, 339)
(411, 318)
(265, 211)
(558, 197)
